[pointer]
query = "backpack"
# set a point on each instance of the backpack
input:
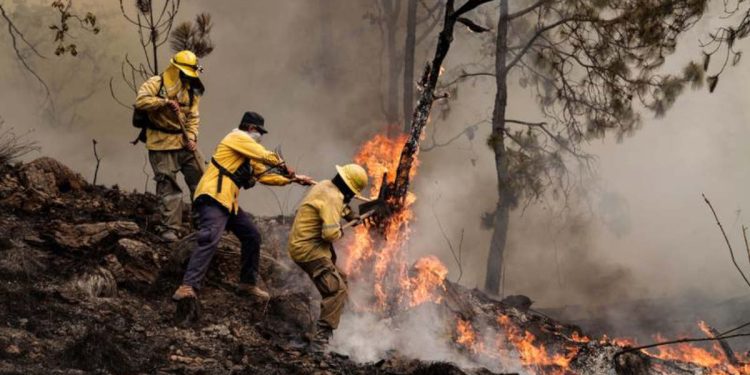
(243, 177)
(143, 122)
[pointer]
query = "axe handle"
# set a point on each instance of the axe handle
(199, 159)
(356, 221)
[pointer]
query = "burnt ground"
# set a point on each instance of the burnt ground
(85, 288)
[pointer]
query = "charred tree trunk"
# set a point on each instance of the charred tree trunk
(497, 140)
(409, 48)
(396, 191)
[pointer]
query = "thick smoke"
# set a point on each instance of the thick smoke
(313, 70)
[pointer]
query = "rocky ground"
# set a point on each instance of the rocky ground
(85, 288)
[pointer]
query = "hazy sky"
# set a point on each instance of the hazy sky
(312, 69)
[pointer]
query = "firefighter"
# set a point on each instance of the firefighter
(238, 162)
(165, 99)
(316, 226)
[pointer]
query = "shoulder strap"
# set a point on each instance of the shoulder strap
(222, 172)
(161, 86)
(237, 180)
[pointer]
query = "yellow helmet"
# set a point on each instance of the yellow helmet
(187, 62)
(354, 176)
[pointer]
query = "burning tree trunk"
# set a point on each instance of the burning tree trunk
(376, 254)
(396, 193)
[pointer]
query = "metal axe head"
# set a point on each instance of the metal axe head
(377, 207)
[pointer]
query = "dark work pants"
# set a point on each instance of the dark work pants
(213, 219)
(166, 165)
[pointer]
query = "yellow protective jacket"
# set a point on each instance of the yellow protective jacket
(230, 154)
(159, 113)
(317, 223)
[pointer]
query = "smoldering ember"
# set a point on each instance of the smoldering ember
(374, 187)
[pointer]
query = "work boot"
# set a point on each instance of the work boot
(169, 235)
(319, 342)
(252, 290)
(184, 291)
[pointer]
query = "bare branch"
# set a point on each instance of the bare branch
(456, 255)
(468, 75)
(729, 245)
(14, 33)
(680, 341)
(747, 247)
(112, 92)
(98, 160)
(526, 10)
(536, 35)
(468, 6)
(468, 131)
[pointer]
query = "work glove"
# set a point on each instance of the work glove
(303, 180)
(174, 106)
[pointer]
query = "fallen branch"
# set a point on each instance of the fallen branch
(680, 341)
(729, 245)
(728, 352)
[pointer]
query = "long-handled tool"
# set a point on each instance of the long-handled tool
(200, 160)
(358, 220)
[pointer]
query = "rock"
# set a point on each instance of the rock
(113, 265)
(12, 350)
(144, 265)
(9, 184)
(88, 235)
(99, 283)
(136, 249)
(49, 176)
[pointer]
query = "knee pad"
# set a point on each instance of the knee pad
(329, 282)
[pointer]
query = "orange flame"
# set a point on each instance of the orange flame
(382, 262)
(430, 276)
(381, 259)
(466, 336)
(533, 354)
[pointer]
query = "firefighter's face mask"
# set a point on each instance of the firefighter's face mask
(255, 135)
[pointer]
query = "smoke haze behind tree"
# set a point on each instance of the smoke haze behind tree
(638, 230)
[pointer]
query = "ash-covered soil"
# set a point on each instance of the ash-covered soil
(85, 288)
